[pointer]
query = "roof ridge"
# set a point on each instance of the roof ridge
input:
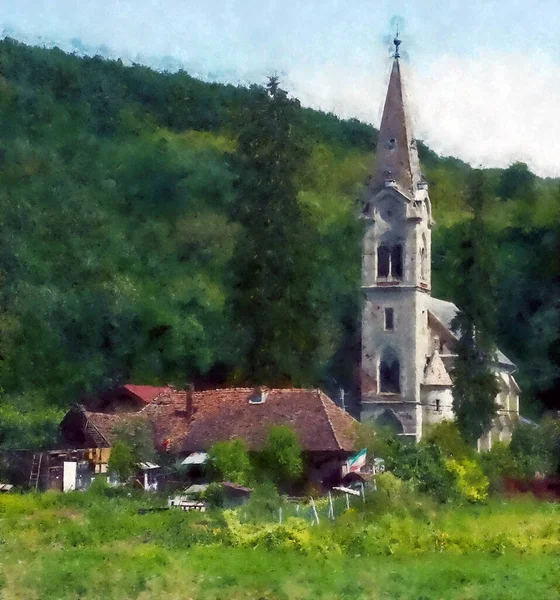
(89, 422)
(320, 394)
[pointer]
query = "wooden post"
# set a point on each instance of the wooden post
(314, 510)
(331, 509)
(280, 515)
(363, 494)
(347, 501)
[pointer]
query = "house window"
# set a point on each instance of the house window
(389, 373)
(390, 262)
(389, 319)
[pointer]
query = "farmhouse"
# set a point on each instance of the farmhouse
(407, 340)
(185, 422)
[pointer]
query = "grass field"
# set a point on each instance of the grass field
(91, 546)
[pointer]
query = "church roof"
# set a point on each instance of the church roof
(445, 312)
(396, 153)
(436, 373)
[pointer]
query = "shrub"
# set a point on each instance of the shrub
(264, 503)
(229, 461)
(121, 460)
(424, 466)
(214, 495)
(281, 457)
(536, 449)
(136, 432)
(497, 464)
(470, 482)
(447, 437)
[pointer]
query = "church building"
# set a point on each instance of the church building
(407, 343)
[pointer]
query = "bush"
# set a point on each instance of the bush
(536, 449)
(447, 437)
(281, 457)
(264, 503)
(497, 464)
(121, 460)
(424, 466)
(229, 461)
(214, 495)
(136, 432)
(470, 482)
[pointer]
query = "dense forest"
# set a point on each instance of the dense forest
(119, 186)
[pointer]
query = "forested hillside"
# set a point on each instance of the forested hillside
(117, 188)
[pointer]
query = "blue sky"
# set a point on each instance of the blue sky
(483, 76)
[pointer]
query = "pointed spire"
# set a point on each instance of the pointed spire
(396, 156)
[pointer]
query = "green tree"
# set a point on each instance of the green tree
(273, 261)
(448, 438)
(121, 460)
(230, 461)
(536, 448)
(516, 181)
(136, 433)
(498, 463)
(281, 455)
(475, 385)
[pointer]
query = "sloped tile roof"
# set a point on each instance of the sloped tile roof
(226, 414)
(445, 312)
(105, 422)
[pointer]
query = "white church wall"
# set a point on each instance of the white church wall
(437, 406)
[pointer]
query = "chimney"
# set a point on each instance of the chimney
(189, 403)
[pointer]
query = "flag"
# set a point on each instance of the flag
(355, 463)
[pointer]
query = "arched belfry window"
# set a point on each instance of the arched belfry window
(383, 261)
(397, 262)
(390, 262)
(389, 372)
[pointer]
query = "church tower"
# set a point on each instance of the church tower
(396, 273)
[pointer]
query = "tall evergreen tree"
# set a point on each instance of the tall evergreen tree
(475, 386)
(273, 261)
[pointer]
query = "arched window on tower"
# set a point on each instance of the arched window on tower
(389, 372)
(390, 262)
(397, 262)
(383, 261)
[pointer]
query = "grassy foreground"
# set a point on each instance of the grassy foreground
(92, 546)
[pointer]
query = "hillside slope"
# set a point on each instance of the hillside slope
(116, 187)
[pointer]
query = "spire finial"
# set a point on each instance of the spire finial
(397, 43)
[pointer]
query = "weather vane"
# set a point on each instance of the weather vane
(397, 43)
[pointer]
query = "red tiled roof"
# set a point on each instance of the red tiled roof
(227, 414)
(104, 422)
(145, 392)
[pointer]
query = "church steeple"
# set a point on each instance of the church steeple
(396, 162)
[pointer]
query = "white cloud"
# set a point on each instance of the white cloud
(492, 109)
(488, 110)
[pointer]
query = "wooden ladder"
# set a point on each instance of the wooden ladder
(35, 470)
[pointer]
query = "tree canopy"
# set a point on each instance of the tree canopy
(128, 198)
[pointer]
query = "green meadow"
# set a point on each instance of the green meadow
(97, 545)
